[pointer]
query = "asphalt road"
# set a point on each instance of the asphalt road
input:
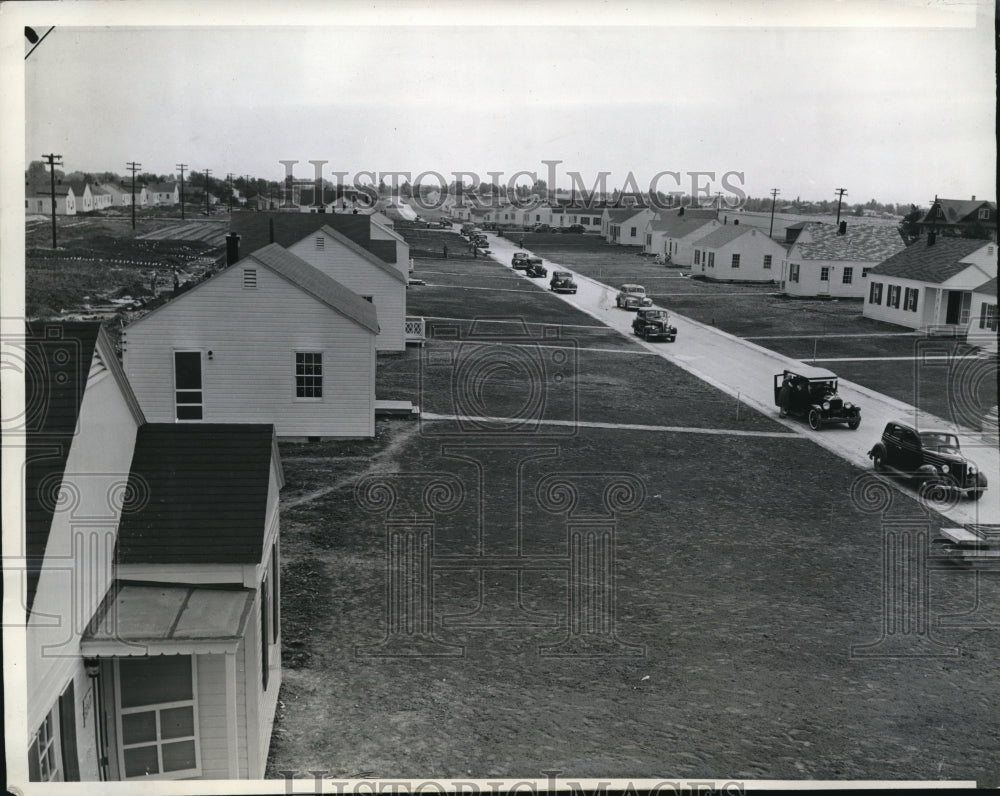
(746, 370)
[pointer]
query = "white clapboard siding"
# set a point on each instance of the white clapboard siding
(241, 705)
(253, 335)
(212, 716)
(365, 278)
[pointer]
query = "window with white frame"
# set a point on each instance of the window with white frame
(632, 232)
(988, 316)
(864, 272)
(767, 262)
(43, 756)
(711, 259)
(157, 711)
(649, 239)
(736, 261)
(984, 213)
(697, 256)
(875, 293)
(824, 273)
(308, 374)
(910, 299)
(793, 272)
(188, 395)
(848, 277)
(892, 299)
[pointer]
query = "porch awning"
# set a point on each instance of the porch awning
(167, 619)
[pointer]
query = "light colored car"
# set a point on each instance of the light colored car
(632, 297)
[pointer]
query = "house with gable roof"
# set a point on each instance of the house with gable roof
(738, 253)
(103, 198)
(626, 226)
(673, 233)
(834, 260)
(83, 195)
(38, 199)
(937, 284)
(972, 218)
(163, 193)
(270, 339)
(152, 596)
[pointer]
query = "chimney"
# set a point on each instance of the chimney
(973, 197)
(931, 238)
(270, 230)
(232, 248)
(843, 228)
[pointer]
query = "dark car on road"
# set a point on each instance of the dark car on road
(562, 282)
(811, 392)
(519, 259)
(932, 457)
(573, 229)
(653, 323)
(534, 268)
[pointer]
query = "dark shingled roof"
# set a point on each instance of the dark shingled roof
(860, 243)
(989, 288)
(317, 284)
(57, 364)
(200, 494)
(937, 263)
(253, 229)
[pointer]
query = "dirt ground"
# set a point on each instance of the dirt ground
(742, 584)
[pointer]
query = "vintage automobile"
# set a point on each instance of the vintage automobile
(534, 268)
(562, 282)
(653, 323)
(519, 259)
(632, 297)
(811, 392)
(931, 457)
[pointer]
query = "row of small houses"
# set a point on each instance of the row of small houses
(77, 196)
(940, 283)
(153, 547)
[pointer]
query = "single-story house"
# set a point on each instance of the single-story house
(269, 339)
(370, 277)
(103, 198)
(152, 582)
(588, 218)
(84, 197)
(121, 195)
(163, 193)
(38, 199)
(738, 253)
(834, 260)
(673, 233)
(935, 284)
(962, 217)
(626, 226)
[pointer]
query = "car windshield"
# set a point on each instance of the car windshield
(939, 441)
(822, 388)
(658, 315)
(638, 291)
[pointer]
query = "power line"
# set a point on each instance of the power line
(53, 161)
(181, 167)
(134, 168)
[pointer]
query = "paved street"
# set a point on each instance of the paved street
(744, 369)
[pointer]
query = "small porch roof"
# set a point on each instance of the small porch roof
(167, 619)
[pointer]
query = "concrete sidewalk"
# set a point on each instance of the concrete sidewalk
(746, 370)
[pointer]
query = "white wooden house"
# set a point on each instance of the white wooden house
(103, 198)
(626, 226)
(163, 193)
(673, 233)
(830, 260)
(84, 197)
(738, 253)
(270, 339)
(153, 579)
(359, 270)
(588, 217)
(38, 199)
(936, 284)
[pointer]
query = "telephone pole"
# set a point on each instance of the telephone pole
(230, 178)
(774, 198)
(134, 167)
(53, 161)
(181, 167)
(841, 192)
(208, 206)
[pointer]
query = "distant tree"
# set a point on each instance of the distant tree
(909, 227)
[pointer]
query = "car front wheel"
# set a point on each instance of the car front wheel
(977, 494)
(878, 461)
(815, 421)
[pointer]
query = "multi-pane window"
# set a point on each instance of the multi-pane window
(848, 275)
(767, 262)
(649, 240)
(711, 259)
(308, 374)
(984, 214)
(875, 293)
(824, 274)
(158, 725)
(988, 317)
(44, 752)
(910, 300)
(188, 396)
(793, 272)
(864, 272)
(632, 232)
(736, 261)
(697, 256)
(892, 300)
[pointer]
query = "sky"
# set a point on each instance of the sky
(803, 97)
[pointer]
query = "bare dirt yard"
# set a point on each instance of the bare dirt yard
(742, 583)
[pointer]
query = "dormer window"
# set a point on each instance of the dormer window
(249, 278)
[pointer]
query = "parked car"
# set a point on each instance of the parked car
(931, 457)
(562, 282)
(653, 323)
(811, 392)
(443, 223)
(574, 229)
(467, 228)
(534, 268)
(632, 297)
(541, 228)
(518, 259)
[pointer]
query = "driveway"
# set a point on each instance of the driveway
(745, 370)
